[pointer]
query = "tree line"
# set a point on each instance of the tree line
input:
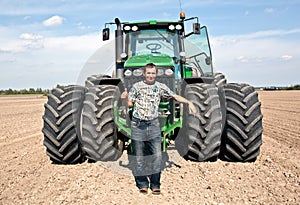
(292, 87)
(25, 91)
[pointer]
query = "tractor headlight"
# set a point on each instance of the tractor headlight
(128, 73)
(160, 72)
(169, 71)
(134, 28)
(123, 55)
(137, 72)
(171, 27)
(178, 27)
(127, 28)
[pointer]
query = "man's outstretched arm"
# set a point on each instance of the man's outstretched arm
(181, 99)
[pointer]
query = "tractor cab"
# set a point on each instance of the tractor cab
(164, 43)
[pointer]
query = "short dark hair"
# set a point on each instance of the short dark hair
(150, 65)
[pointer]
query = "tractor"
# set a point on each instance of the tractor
(92, 122)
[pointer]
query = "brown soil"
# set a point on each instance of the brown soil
(28, 177)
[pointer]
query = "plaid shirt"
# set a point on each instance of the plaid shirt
(146, 99)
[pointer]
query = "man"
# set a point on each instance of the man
(144, 97)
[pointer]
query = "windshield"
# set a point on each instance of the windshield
(198, 50)
(159, 41)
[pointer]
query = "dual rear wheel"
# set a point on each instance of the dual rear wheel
(242, 136)
(79, 123)
(99, 137)
(233, 134)
(200, 137)
(61, 125)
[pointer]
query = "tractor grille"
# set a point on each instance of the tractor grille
(168, 80)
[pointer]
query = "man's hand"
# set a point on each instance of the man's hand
(124, 95)
(192, 108)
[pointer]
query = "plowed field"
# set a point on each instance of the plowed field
(28, 177)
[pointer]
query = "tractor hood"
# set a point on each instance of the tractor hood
(142, 60)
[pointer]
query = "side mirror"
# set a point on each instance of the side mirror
(105, 34)
(196, 28)
(208, 60)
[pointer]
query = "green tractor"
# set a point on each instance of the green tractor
(92, 121)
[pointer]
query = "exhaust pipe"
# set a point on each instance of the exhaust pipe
(119, 48)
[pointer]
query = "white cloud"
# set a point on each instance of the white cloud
(81, 26)
(29, 36)
(32, 41)
(53, 21)
(258, 35)
(250, 59)
(242, 59)
(269, 10)
(286, 57)
(86, 42)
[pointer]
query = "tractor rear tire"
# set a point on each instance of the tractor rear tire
(61, 125)
(220, 81)
(243, 133)
(200, 137)
(99, 136)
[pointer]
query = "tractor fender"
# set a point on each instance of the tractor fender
(207, 80)
(109, 81)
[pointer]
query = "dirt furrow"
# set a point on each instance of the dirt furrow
(28, 177)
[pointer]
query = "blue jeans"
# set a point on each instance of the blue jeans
(147, 153)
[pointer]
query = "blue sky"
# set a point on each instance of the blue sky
(44, 43)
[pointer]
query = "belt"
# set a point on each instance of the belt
(143, 121)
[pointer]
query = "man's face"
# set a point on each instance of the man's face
(150, 75)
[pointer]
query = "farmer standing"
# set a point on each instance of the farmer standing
(144, 97)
